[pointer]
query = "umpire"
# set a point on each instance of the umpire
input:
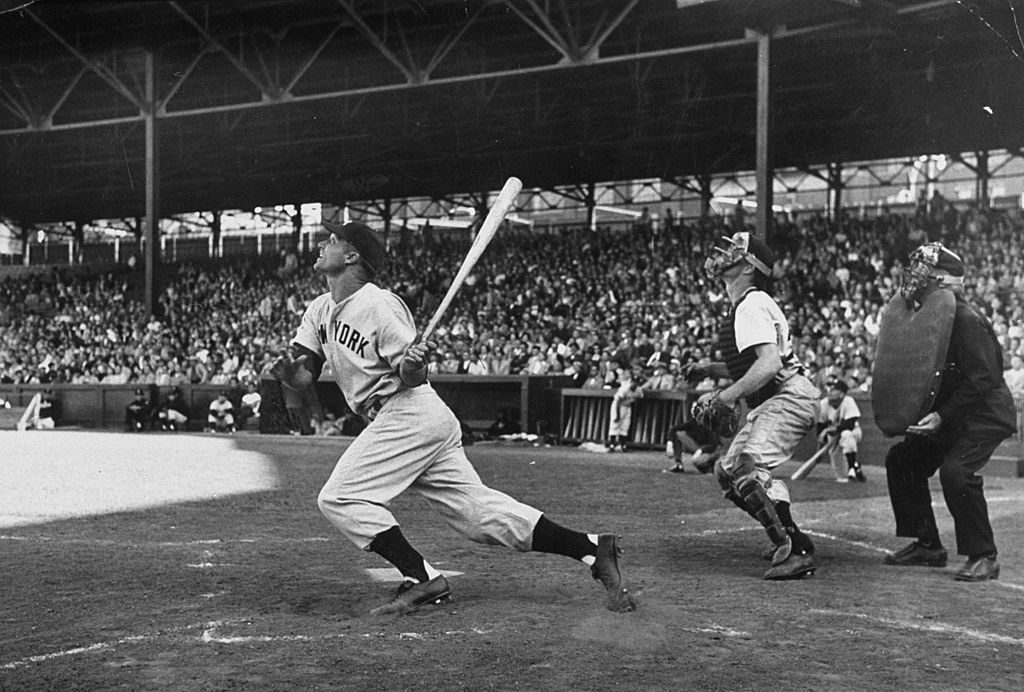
(972, 414)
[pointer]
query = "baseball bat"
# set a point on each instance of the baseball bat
(808, 466)
(487, 231)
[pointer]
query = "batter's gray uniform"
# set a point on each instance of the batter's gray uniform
(413, 440)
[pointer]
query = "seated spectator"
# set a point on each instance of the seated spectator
(137, 412)
(173, 413)
(660, 380)
(221, 417)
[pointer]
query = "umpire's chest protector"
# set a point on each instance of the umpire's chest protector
(908, 364)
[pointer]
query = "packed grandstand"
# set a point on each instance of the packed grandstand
(592, 304)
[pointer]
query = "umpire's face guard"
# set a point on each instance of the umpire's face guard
(921, 272)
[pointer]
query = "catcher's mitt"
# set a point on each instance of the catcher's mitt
(710, 413)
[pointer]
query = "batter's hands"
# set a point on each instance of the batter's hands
(413, 369)
(416, 356)
(292, 372)
(928, 425)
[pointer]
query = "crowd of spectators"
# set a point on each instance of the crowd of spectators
(590, 305)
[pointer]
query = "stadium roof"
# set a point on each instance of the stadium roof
(287, 101)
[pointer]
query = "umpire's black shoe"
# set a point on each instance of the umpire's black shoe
(606, 570)
(412, 595)
(917, 554)
(979, 569)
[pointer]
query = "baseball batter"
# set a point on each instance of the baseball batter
(782, 402)
(839, 426)
(413, 441)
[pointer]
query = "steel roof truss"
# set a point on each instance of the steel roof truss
(242, 68)
(100, 69)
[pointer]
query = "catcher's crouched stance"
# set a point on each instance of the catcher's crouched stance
(782, 402)
(413, 440)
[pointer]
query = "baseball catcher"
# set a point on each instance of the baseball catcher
(782, 403)
(955, 409)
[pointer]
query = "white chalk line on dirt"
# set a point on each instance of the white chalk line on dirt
(162, 544)
(210, 634)
(91, 648)
(989, 637)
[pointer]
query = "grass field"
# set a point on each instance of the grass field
(192, 562)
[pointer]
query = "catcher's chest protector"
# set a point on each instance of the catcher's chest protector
(908, 364)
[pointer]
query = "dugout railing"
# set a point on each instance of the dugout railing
(532, 401)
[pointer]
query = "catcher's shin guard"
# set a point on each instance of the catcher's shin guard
(760, 506)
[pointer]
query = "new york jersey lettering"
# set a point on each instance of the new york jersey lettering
(347, 336)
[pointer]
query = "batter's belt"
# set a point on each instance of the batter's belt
(378, 403)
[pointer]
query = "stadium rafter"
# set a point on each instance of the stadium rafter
(287, 101)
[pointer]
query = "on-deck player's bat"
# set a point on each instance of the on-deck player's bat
(809, 465)
(487, 230)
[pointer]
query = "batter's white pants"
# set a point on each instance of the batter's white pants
(415, 442)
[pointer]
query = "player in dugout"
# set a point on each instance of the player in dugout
(413, 440)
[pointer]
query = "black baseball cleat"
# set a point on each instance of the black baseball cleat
(916, 554)
(793, 567)
(412, 595)
(979, 569)
(606, 570)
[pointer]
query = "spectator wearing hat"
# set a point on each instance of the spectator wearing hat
(137, 412)
(661, 380)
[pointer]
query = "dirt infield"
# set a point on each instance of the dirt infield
(242, 584)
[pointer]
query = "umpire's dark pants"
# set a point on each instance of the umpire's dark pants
(909, 465)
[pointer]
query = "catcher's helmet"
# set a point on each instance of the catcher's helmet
(743, 247)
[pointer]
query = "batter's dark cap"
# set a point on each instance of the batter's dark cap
(364, 239)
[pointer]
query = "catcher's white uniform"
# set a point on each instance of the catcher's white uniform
(413, 440)
(773, 429)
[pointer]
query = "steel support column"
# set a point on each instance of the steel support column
(152, 230)
(765, 175)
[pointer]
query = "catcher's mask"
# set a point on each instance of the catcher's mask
(742, 247)
(928, 263)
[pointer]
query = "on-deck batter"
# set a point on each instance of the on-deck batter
(367, 336)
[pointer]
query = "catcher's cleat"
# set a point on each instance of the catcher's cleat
(412, 595)
(606, 570)
(916, 554)
(793, 567)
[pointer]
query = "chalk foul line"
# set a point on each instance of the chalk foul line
(988, 637)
